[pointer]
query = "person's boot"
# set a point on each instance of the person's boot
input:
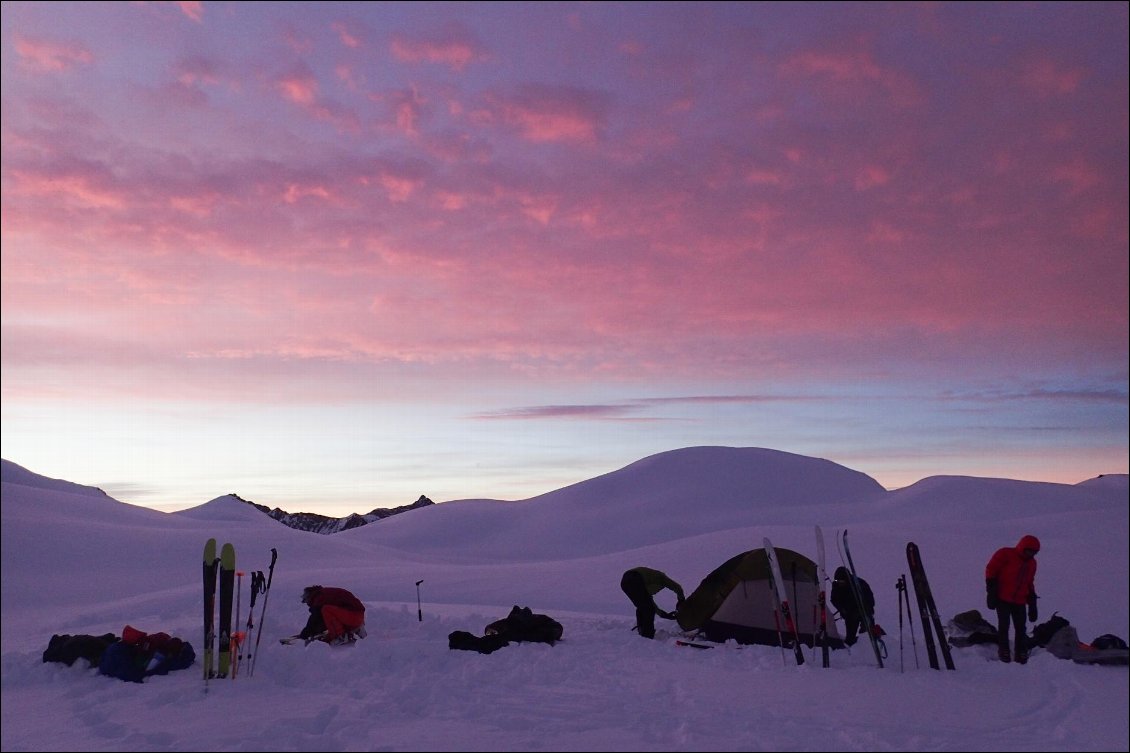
(1021, 654)
(1004, 655)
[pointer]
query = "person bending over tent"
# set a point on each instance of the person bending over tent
(1010, 585)
(844, 601)
(640, 584)
(336, 616)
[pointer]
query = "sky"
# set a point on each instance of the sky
(78, 562)
(333, 256)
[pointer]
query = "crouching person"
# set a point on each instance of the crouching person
(336, 616)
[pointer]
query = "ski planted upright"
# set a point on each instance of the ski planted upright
(857, 593)
(928, 610)
(822, 600)
(783, 601)
(227, 592)
(210, 566)
(923, 610)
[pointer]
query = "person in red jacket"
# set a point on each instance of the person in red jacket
(336, 615)
(1010, 586)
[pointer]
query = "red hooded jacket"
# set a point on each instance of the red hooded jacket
(327, 596)
(340, 610)
(1014, 571)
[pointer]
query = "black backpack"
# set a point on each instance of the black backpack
(68, 649)
(1042, 633)
(1108, 641)
(523, 624)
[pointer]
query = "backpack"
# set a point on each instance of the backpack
(969, 629)
(138, 655)
(465, 641)
(1108, 641)
(1042, 633)
(67, 649)
(522, 624)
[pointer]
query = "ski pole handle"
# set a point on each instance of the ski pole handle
(271, 574)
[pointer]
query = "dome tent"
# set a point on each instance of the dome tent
(736, 601)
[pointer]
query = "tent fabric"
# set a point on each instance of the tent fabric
(736, 601)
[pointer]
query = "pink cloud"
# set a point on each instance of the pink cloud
(539, 208)
(631, 47)
(454, 46)
(295, 192)
(298, 40)
(399, 188)
(299, 87)
(347, 75)
(192, 8)
(871, 176)
(347, 36)
(1078, 175)
(763, 177)
(407, 108)
(198, 206)
(197, 70)
(47, 56)
(88, 190)
(398, 183)
(885, 232)
(544, 113)
(850, 71)
(1048, 79)
(451, 201)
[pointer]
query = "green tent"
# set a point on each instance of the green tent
(736, 600)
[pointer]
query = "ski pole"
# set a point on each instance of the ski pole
(910, 621)
(899, 586)
(263, 614)
(257, 586)
(235, 642)
(419, 610)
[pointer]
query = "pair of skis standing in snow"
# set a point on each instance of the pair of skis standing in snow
(930, 620)
(220, 663)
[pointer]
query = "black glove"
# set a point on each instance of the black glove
(665, 615)
(991, 600)
(1033, 612)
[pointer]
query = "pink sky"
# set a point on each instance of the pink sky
(490, 249)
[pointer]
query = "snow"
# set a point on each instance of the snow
(77, 561)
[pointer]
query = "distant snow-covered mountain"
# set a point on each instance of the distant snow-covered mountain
(12, 473)
(219, 508)
(235, 507)
(669, 495)
(315, 523)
